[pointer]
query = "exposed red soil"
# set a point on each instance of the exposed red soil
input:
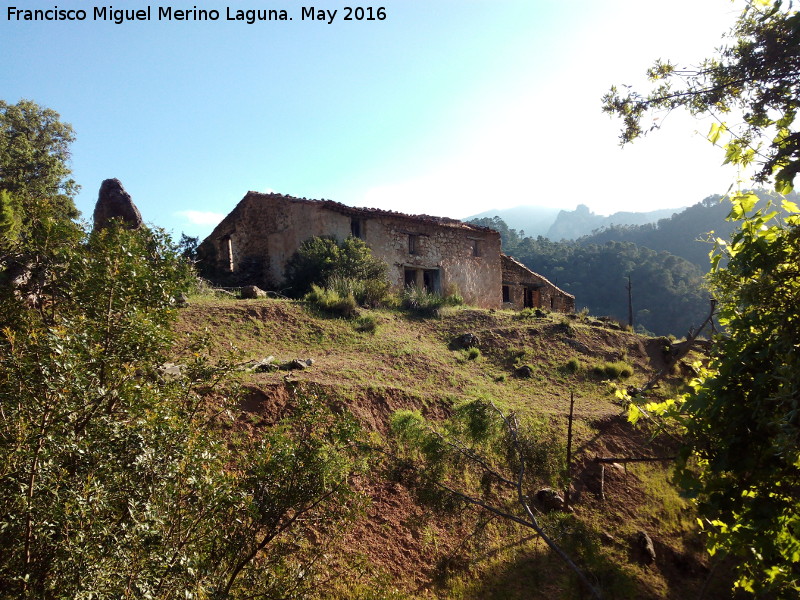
(401, 538)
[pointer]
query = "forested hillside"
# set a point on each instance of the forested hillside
(666, 262)
(668, 292)
(685, 233)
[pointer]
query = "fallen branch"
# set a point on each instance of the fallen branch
(512, 426)
(622, 459)
(691, 338)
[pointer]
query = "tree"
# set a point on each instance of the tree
(741, 457)
(756, 76)
(36, 196)
(741, 453)
(10, 219)
(34, 161)
(670, 288)
(118, 479)
(509, 237)
(187, 246)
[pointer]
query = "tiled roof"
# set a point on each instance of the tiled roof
(373, 212)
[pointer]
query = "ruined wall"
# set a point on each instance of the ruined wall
(522, 288)
(254, 242)
(467, 258)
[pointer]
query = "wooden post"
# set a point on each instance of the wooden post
(569, 448)
(630, 303)
(602, 482)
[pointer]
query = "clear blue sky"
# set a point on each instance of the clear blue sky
(446, 107)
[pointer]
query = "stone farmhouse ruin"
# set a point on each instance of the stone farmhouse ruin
(252, 245)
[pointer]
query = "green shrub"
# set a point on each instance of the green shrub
(319, 259)
(330, 301)
(532, 313)
(613, 370)
(452, 296)
(366, 324)
(367, 292)
(466, 354)
(421, 302)
(573, 365)
(120, 482)
(515, 356)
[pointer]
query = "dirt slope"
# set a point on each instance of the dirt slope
(414, 363)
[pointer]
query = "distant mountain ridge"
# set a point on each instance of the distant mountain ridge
(572, 224)
(557, 224)
(530, 221)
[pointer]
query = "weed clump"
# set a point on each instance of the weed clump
(366, 324)
(366, 292)
(469, 354)
(531, 313)
(613, 370)
(423, 303)
(331, 301)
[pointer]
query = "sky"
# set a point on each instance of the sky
(444, 107)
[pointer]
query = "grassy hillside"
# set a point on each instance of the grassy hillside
(401, 548)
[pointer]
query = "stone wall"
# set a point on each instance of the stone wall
(254, 242)
(522, 288)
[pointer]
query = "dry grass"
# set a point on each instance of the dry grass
(407, 362)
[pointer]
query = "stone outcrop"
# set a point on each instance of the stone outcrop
(465, 341)
(551, 500)
(252, 292)
(114, 202)
(643, 545)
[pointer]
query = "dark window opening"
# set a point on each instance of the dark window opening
(428, 279)
(532, 298)
(506, 294)
(410, 277)
(357, 228)
(227, 248)
(476, 248)
(412, 243)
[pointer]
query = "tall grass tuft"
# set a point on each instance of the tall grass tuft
(613, 370)
(423, 303)
(331, 301)
(369, 292)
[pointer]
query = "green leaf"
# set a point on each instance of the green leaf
(715, 131)
(783, 186)
(786, 120)
(790, 206)
(748, 202)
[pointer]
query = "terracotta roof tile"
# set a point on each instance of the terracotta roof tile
(373, 212)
